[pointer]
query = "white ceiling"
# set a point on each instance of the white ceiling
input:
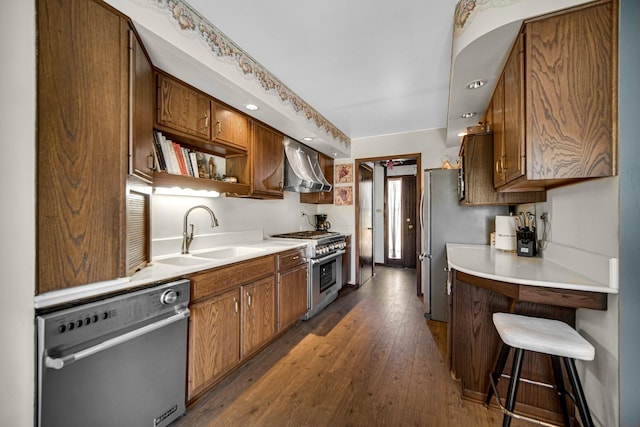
(371, 68)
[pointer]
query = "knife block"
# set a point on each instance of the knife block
(526, 242)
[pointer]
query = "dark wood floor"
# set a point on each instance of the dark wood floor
(369, 359)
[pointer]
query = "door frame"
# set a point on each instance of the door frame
(356, 203)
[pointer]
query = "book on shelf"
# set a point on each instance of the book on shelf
(194, 163)
(169, 154)
(187, 160)
(181, 165)
(160, 161)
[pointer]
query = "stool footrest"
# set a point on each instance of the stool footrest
(515, 414)
(528, 381)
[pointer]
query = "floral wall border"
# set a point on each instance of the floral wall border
(466, 9)
(190, 20)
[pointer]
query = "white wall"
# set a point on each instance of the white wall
(233, 214)
(17, 192)
(584, 225)
(430, 143)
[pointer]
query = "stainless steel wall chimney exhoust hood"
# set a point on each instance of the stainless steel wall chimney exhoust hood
(302, 172)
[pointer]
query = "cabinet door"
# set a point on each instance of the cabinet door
(82, 111)
(497, 102)
(258, 314)
(292, 296)
(141, 138)
(571, 69)
(230, 126)
(514, 113)
(182, 108)
(214, 340)
(267, 154)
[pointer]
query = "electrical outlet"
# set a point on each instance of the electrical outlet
(545, 217)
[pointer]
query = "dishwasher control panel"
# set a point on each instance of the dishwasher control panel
(65, 328)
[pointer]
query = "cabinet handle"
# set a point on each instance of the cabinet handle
(295, 257)
(235, 305)
(219, 127)
(248, 299)
(206, 121)
(150, 162)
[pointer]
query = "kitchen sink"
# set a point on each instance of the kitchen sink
(231, 252)
(182, 261)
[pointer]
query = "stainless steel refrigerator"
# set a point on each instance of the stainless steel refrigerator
(445, 221)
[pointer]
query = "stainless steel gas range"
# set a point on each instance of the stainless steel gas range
(324, 258)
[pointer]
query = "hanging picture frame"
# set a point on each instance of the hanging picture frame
(343, 173)
(343, 195)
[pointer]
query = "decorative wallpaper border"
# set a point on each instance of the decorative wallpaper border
(466, 9)
(190, 20)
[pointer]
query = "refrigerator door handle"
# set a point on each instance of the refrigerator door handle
(447, 285)
(424, 256)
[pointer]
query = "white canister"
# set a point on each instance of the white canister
(506, 233)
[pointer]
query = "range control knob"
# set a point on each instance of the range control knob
(168, 297)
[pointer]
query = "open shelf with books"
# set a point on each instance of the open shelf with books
(180, 164)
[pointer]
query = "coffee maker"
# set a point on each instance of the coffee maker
(321, 223)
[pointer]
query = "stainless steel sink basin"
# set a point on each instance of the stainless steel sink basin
(182, 261)
(231, 252)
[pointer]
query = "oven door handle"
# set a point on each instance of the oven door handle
(61, 362)
(327, 258)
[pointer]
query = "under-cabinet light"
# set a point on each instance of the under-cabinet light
(462, 134)
(177, 191)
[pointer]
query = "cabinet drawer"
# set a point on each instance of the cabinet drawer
(290, 259)
(220, 279)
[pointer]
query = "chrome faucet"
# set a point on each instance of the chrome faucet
(188, 237)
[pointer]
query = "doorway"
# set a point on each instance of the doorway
(365, 209)
(361, 232)
(400, 219)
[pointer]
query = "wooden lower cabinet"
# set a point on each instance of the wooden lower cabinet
(474, 342)
(214, 340)
(292, 296)
(258, 314)
(233, 315)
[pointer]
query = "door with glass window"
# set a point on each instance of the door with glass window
(400, 221)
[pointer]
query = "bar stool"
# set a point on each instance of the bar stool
(551, 337)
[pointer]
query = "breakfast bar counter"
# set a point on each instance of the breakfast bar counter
(484, 281)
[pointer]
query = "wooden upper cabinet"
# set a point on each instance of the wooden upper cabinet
(560, 98)
(141, 141)
(183, 108)
(497, 102)
(267, 162)
(322, 197)
(82, 143)
(477, 155)
(571, 69)
(230, 126)
(513, 160)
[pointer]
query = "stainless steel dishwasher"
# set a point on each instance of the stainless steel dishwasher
(120, 361)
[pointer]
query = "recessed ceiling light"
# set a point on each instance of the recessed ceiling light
(251, 107)
(462, 134)
(307, 138)
(467, 115)
(476, 84)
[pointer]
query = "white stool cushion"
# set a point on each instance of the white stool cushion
(542, 335)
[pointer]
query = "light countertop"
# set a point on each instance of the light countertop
(490, 263)
(161, 271)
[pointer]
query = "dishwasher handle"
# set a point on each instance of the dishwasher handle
(61, 362)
